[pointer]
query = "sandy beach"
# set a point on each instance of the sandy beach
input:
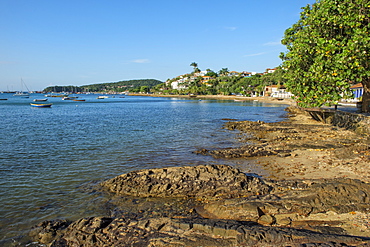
(317, 151)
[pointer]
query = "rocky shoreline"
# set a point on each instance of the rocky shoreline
(318, 194)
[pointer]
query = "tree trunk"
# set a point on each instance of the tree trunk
(366, 96)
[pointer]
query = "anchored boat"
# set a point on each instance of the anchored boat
(40, 105)
(37, 100)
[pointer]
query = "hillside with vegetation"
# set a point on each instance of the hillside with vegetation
(140, 85)
(223, 82)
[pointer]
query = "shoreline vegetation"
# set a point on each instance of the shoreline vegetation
(316, 192)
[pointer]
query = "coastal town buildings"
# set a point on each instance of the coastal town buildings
(277, 91)
(183, 81)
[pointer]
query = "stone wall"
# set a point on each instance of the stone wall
(356, 122)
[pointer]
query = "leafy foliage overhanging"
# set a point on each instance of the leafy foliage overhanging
(327, 51)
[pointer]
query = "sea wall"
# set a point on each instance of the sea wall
(356, 122)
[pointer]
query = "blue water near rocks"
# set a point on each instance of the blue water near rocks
(49, 155)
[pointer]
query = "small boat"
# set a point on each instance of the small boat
(102, 97)
(69, 98)
(40, 100)
(40, 105)
(78, 100)
(22, 94)
(3, 99)
(56, 95)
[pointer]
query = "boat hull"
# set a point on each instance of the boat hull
(41, 105)
(69, 98)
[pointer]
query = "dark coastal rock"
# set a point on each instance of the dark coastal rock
(288, 199)
(48, 231)
(158, 232)
(216, 181)
(246, 151)
(232, 209)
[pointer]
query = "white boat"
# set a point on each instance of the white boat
(69, 98)
(38, 100)
(22, 93)
(56, 95)
(102, 97)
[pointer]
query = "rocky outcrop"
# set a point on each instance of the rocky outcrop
(99, 231)
(282, 139)
(289, 199)
(232, 210)
(216, 181)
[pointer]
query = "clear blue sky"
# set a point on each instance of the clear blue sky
(79, 42)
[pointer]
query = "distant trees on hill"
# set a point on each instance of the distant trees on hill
(121, 86)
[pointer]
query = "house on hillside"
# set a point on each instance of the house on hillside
(247, 74)
(277, 91)
(233, 73)
(200, 73)
(269, 90)
(180, 82)
(205, 79)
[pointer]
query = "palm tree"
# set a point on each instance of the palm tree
(223, 71)
(195, 65)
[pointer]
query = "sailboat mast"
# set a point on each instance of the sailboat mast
(22, 82)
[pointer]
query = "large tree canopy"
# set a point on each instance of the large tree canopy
(328, 49)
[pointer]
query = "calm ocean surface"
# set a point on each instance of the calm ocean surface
(49, 157)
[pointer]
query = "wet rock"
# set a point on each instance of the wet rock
(48, 231)
(159, 232)
(202, 151)
(216, 181)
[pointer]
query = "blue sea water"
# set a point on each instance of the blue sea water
(49, 155)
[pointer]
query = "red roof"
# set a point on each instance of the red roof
(358, 85)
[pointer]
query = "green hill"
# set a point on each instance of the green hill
(119, 86)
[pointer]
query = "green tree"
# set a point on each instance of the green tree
(211, 73)
(328, 50)
(144, 89)
(195, 66)
(223, 71)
